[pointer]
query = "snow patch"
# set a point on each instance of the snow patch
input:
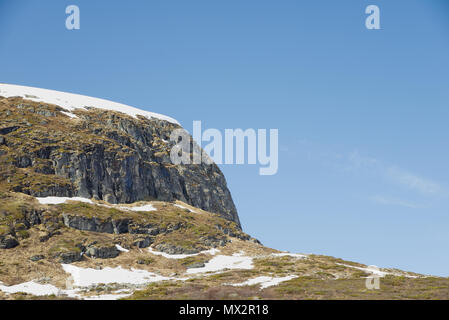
(212, 251)
(288, 254)
(147, 207)
(38, 289)
(183, 207)
(108, 296)
(69, 114)
(85, 277)
(31, 287)
(370, 269)
(120, 248)
(221, 262)
(70, 101)
(59, 200)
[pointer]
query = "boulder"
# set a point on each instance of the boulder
(102, 252)
(173, 249)
(37, 258)
(69, 257)
(88, 224)
(143, 242)
(8, 242)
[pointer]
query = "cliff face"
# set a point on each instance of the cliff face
(101, 154)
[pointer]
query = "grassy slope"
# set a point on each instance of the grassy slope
(318, 277)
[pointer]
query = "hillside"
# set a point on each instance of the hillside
(60, 248)
(92, 208)
(120, 154)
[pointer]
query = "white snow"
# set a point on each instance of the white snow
(85, 277)
(377, 272)
(70, 101)
(147, 207)
(108, 296)
(38, 289)
(370, 269)
(31, 287)
(221, 262)
(183, 207)
(212, 251)
(69, 114)
(264, 281)
(59, 200)
(288, 254)
(82, 278)
(120, 248)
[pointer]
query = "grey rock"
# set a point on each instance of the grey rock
(24, 162)
(88, 224)
(69, 257)
(33, 217)
(8, 242)
(120, 226)
(7, 130)
(46, 113)
(43, 280)
(172, 249)
(45, 237)
(106, 252)
(143, 242)
(238, 234)
(37, 258)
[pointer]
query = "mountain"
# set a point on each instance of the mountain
(99, 149)
(91, 207)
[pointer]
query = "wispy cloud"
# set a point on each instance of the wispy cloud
(362, 162)
(396, 175)
(374, 168)
(394, 202)
(414, 182)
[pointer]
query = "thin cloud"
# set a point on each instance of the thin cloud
(414, 182)
(357, 161)
(394, 202)
(375, 168)
(396, 175)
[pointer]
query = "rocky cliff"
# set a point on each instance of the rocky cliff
(102, 153)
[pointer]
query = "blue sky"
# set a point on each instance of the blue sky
(362, 114)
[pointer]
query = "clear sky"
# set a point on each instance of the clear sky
(362, 114)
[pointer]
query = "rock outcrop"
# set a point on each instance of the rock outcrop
(102, 252)
(101, 154)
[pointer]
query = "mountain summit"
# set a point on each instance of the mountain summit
(67, 145)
